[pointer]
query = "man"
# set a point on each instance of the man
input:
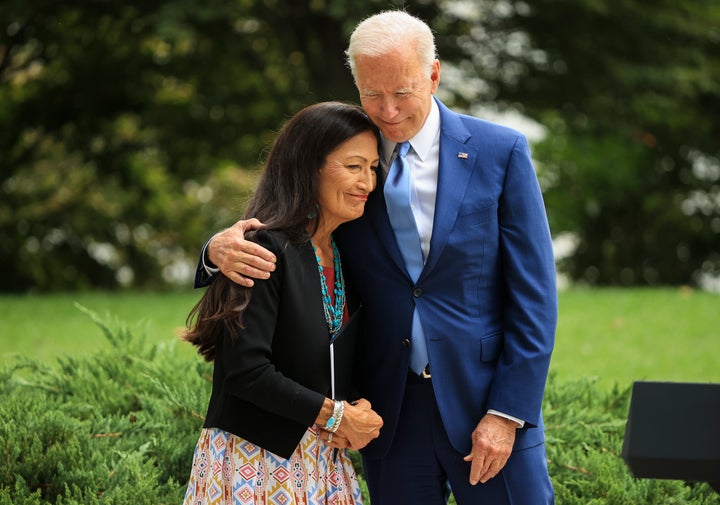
(459, 306)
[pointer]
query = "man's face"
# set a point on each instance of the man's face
(396, 92)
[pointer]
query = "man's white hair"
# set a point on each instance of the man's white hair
(387, 31)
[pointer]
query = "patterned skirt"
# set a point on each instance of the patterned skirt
(229, 470)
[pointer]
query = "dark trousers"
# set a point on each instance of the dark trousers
(422, 466)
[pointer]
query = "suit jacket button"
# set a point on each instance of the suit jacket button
(417, 292)
(406, 342)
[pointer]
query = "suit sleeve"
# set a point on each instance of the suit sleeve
(530, 309)
(203, 278)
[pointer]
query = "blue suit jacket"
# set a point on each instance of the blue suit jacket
(486, 297)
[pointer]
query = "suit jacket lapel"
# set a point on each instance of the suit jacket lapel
(376, 213)
(456, 164)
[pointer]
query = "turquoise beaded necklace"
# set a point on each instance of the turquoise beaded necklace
(333, 312)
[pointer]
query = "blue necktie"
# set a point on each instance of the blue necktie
(397, 198)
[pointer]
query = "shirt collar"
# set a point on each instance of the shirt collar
(423, 141)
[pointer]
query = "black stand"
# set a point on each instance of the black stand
(673, 432)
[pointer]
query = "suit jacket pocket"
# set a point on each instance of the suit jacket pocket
(491, 347)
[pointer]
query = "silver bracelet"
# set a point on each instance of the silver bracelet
(333, 423)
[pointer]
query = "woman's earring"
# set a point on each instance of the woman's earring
(313, 213)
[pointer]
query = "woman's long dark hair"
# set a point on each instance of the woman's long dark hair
(286, 200)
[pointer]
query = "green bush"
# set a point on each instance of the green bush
(120, 427)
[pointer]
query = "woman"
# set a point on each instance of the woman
(274, 433)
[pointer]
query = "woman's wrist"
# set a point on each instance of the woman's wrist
(325, 412)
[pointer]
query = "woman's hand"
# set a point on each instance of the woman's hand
(360, 424)
(337, 440)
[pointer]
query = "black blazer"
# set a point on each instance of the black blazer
(269, 385)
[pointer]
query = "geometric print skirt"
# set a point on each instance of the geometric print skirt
(229, 470)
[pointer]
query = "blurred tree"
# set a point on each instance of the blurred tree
(629, 93)
(130, 131)
(120, 122)
(115, 117)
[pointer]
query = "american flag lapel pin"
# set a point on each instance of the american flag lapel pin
(463, 156)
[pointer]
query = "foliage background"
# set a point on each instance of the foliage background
(119, 426)
(130, 131)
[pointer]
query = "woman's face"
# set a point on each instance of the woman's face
(346, 180)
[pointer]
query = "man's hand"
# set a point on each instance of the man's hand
(239, 259)
(492, 444)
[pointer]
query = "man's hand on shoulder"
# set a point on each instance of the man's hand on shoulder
(238, 259)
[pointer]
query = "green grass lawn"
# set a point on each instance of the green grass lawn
(45, 326)
(622, 335)
(615, 335)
